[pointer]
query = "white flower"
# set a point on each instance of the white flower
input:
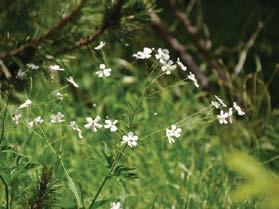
(238, 109)
(104, 72)
(168, 67)
(223, 117)
(26, 104)
(21, 74)
(145, 54)
(55, 68)
(71, 80)
(115, 205)
(16, 118)
(111, 125)
(130, 139)
(101, 45)
(38, 120)
(220, 101)
(75, 127)
(93, 124)
(173, 132)
(180, 64)
(215, 104)
(162, 55)
(193, 78)
(30, 124)
(58, 118)
(32, 66)
(59, 96)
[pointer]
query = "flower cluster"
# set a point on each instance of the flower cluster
(52, 69)
(22, 73)
(92, 124)
(225, 117)
(145, 54)
(167, 65)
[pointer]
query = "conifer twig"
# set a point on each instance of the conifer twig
(48, 34)
(85, 40)
(113, 18)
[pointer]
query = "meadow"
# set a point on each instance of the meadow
(131, 125)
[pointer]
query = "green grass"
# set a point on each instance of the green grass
(191, 173)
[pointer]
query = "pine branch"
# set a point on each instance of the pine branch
(112, 19)
(47, 35)
(44, 194)
(85, 40)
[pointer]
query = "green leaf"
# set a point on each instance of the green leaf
(99, 203)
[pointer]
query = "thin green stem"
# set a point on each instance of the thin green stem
(6, 191)
(3, 122)
(107, 177)
(69, 178)
(119, 154)
(98, 192)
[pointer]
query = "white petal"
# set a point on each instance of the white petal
(113, 128)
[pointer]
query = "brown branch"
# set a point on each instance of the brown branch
(85, 40)
(48, 34)
(200, 43)
(246, 48)
(180, 49)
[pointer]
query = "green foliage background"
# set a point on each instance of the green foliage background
(201, 170)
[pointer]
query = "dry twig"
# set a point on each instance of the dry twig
(246, 48)
(180, 49)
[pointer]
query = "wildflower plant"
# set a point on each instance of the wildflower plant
(58, 127)
(96, 112)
